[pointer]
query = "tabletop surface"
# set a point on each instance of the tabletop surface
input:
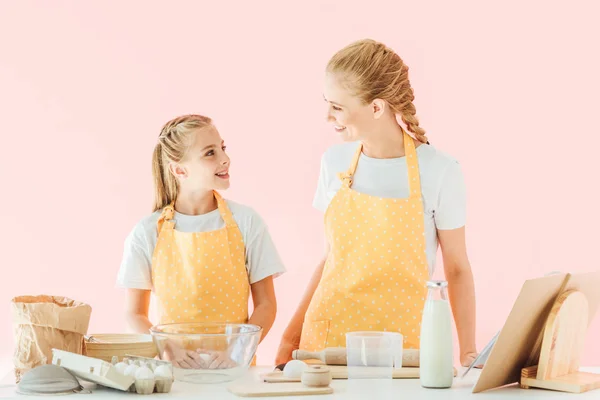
(343, 389)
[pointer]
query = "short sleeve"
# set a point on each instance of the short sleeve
(450, 212)
(320, 200)
(262, 258)
(136, 265)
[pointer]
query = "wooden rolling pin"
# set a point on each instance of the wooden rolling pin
(337, 356)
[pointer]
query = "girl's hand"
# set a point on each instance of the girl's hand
(215, 359)
(181, 357)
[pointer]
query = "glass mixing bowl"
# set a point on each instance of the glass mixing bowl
(207, 352)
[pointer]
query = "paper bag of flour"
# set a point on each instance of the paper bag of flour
(43, 323)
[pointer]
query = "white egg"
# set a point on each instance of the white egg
(121, 367)
(294, 369)
(163, 371)
(131, 370)
(144, 373)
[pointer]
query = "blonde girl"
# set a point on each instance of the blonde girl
(201, 255)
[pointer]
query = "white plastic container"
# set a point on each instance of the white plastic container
(436, 352)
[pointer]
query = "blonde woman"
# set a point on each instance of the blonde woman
(389, 198)
(200, 254)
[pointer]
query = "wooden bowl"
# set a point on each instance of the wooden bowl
(105, 346)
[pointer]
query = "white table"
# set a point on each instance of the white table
(343, 389)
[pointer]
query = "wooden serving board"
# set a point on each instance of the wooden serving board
(262, 389)
(341, 372)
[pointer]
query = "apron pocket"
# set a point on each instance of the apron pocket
(314, 335)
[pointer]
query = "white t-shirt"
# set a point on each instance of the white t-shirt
(262, 258)
(442, 186)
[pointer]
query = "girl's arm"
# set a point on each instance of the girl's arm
(265, 305)
(136, 310)
(461, 290)
(136, 313)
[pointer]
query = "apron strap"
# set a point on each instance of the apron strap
(347, 177)
(225, 211)
(412, 164)
(166, 217)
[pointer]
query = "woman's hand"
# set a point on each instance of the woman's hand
(286, 348)
(468, 358)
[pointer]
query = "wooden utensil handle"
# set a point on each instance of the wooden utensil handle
(307, 355)
(329, 356)
(337, 356)
(304, 354)
(410, 358)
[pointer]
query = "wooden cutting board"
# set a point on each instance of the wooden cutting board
(261, 389)
(341, 372)
(519, 342)
(562, 346)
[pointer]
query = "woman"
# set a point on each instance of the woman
(388, 199)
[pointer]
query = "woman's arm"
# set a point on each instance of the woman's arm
(461, 290)
(265, 305)
(291, 336)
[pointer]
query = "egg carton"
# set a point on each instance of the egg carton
(113, 375)
(146, 382)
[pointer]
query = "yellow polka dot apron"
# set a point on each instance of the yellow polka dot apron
(375, 274)
(200, 276)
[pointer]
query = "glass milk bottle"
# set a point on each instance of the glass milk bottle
(436, 352)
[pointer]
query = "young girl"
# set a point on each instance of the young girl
(200, 254)
(388, 199)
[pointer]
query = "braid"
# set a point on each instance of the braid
(376, 71)
(409, 117)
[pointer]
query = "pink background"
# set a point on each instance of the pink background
(511, 90)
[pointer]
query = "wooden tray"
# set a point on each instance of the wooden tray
(341, 372)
